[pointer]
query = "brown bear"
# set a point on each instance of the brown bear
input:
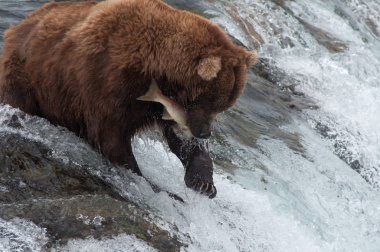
(83, 65)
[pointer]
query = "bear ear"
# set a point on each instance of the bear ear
(251, 57)
(209, 67)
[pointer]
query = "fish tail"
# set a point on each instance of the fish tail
(153, 93)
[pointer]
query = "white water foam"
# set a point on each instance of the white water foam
(345, 85)
(308, 203)
(119, 243)
(296, 202)
(18, 235)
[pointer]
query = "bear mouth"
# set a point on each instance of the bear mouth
(182, 131)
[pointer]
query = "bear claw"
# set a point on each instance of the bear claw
(203, 187)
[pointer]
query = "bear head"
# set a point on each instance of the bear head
(219, 79)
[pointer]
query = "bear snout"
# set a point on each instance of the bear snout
(200, 129)
(205, 132)
(199, 122)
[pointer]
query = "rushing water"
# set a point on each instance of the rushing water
(303, 179)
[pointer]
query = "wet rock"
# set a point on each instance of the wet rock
(28, 172)
(340, 147)
(253, 36)
(267, 70)
(334, 45)
(96, 215)
(324, 38)
(67, 200)
(260, 112)
(192, 6)
(373, 26)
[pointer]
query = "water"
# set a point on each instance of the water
(287, 180)
(119, 243)
(344, 85)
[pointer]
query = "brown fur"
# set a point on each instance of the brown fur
(82, 65)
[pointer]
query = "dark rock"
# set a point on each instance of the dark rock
(324, 38)
(253, 36)
(373, 26)
(259, 113)
(334, 45)
(66, 199)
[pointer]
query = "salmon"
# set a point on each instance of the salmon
(172, 110)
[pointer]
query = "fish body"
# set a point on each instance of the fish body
(172, 110)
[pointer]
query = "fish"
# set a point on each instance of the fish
(172, 110)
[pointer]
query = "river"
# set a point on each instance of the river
(297, 159)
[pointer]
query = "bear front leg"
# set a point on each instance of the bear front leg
(15, 86)
(196, 160)
(118, 149)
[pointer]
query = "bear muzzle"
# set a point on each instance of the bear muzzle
(200, 124)
(204, 132)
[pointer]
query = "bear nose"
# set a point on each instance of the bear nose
(205, 132)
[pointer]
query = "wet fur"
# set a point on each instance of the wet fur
(82, 66)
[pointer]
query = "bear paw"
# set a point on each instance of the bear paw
(202, 186)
